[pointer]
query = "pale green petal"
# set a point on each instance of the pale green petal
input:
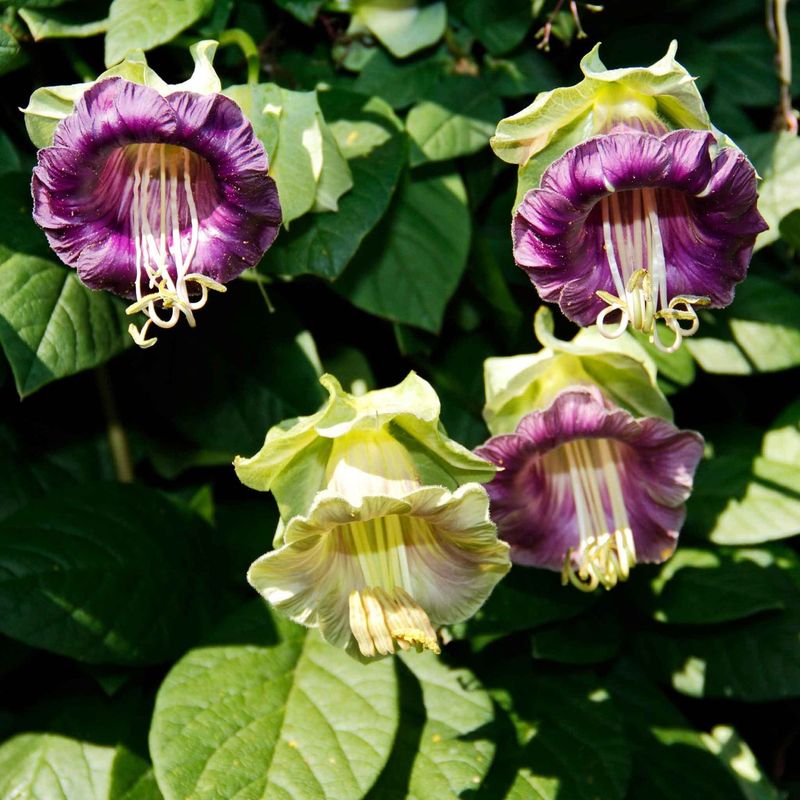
(665, 88)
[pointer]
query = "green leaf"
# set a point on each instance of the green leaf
(106, 574)
(526, 74)
(500, 27)
(759, 332)
(11, 54)
(402, 26)
(754, 660)
(745, 498)
(86, 19)
(271, 711)
(84, 748)
(400, 83)
(442, 748)
(323, 244)
(410, 265)
(304, 10)
(698, 587)
(51, 325)
(457, 119)
(525, 599)
(305, 161)
(776, 157)
(746, 66)
(672, 760)
(588, 639)
(569, 739)
(145, 24)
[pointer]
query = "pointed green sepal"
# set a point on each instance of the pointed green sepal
(621, 368)
(664, 91)
(400, 423)
(50, 104)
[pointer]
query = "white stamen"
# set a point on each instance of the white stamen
(606, 549)
(637, 263)
(152, 250)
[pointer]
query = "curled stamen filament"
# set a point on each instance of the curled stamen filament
(606, 551)
(641, 298)
(152, 265)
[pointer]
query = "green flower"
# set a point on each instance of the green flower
(379, 543)
(621, 368)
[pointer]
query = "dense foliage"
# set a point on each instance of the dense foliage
(136, 661)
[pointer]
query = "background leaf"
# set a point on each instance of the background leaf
(271, 711)
(106, 574)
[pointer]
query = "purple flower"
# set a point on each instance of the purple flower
(640, 228)
(588, 489)
(157, 198)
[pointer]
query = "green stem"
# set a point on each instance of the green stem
(243, 40)
(117, 438)
(786, 117)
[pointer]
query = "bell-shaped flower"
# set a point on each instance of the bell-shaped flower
(586, 488)
(157, 193)
(379, 543)
(636, 229)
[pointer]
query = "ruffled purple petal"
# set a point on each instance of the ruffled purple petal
(705, 205)
(83, 185)
(533, 503)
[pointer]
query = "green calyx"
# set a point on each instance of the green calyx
(50, 104)
(660, 97)
(517, 385)
(300, 456)
(664, 91)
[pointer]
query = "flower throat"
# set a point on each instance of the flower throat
(163, 205)
(635, 253)
(606, 553)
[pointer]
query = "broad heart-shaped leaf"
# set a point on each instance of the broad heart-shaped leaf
(80, 746)
(304, 158)
(403, 26)
(271, 712)
(745, 498)
(776, 157)
(145, 24)
(440, 751)
(704, 586)
(107, 574)
(51, 325)
(45, 766)
(760, 332)
(567, 741)
(323, 244)
(457, 118)
(410, 265)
